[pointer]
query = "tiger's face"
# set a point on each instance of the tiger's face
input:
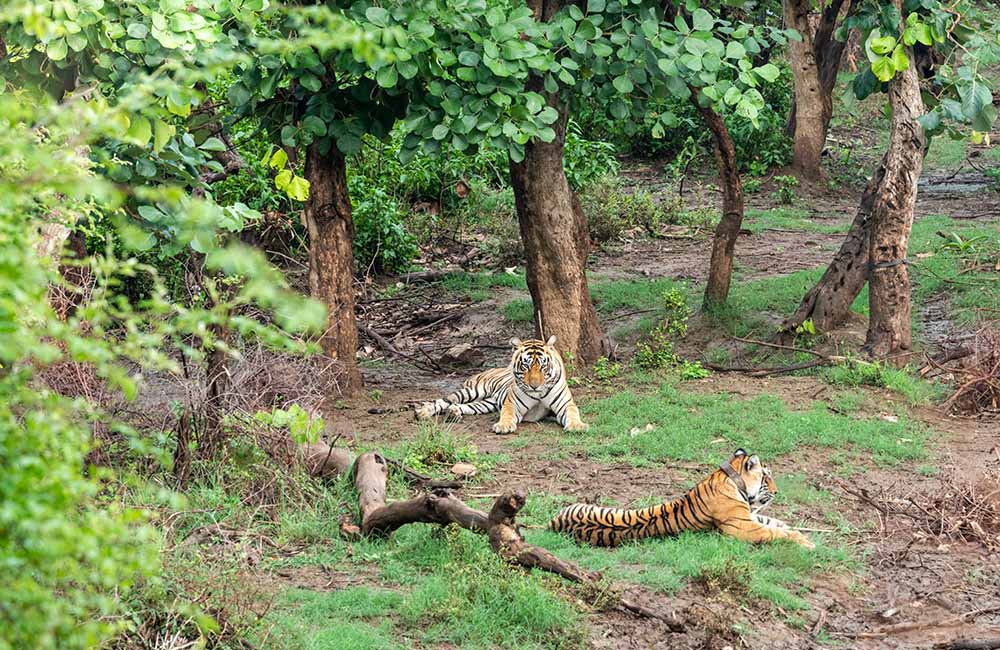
(535, 364)
(760, 484)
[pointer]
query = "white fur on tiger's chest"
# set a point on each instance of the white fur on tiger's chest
(536, 413)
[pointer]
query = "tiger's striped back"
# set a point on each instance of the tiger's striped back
(601, 526)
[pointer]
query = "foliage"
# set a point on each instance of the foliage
(784, 191)
(519, 310)
(587, 161)
(613, 211)
(301, 425)
(381, 242)
(692, 370)
(604, 369)
(657, 350)
(863, 373)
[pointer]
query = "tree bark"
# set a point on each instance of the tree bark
(828, 303)
(331, 260)
(720, 271)
(815, 62)
(556, 241)
(892, 218)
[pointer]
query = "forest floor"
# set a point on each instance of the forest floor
(881, 477)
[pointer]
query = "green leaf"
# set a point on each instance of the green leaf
(882, 44)
(548, 115)
(931, 121)
(732, 95)
(212, 144)
(298, 189)
(468, 58)
(56, 50)
(865, 83)
(137, 30)
(315, 125)
(602, 50)
(899, 59)
(311, 82)
(283, 178)
(533, 102)
(975, 97)
(139, 131)
(883, 68)
(768, 72)
(623, 84)
(387, 76)
(162, 132)
(288, 133)
(440, 132)
(702, 20)
(595, 6)
(735, 50)
(278, 159)
(983, 122)
(407, 69)
(377, 15)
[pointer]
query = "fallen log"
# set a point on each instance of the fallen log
(439, 506)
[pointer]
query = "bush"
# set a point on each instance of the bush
(381, 242)
(586, 161)
(784, 192)
(657, 349)
(767, 145)
(612, 211)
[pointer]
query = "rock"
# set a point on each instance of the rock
(464, 470)
(463, 354)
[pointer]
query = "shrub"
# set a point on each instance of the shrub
(381, 242)
(784, 191)
(605, 369)
(612, 211)
(586, 160)
(657, 350)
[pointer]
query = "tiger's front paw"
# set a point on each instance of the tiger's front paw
(425, 411)
(454, 413)
(503, 427)
(800, 539)
(579, 425)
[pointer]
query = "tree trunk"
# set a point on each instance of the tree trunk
(815, 62)
(556, 245)
(720, 271)
(331, 261)
(892, 217)
(828, 303)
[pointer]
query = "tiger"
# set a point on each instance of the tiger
(530, 388)
(728, 499)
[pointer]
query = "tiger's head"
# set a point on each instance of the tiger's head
(536, 364)
(758, 484)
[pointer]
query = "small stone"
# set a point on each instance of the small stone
(464, 470)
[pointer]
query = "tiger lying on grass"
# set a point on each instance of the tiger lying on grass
(723, 500)
(531, 387)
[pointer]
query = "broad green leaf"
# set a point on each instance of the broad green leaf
(468, 58)
(732, 95)
(735, 50)
(440, 132)
(702, 20)
(139, 131)
(595, 6)
(278, 160)
(387, 76)
(311, 82)
(162, 132)
(283, 178)
(298, 189)
(984, 120)
(883, 69)
(899, 59)
(768, 72)
(56, 50)
(882, 44)
(623, 84)
(975, 97)
(377, 15)
(213, 144)
(315, 125)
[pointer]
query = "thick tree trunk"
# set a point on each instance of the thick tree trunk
(828, 303)
(815, 62)
(720, 271)
(556, 245)
(556, 240)
(892, 218)
(331, 260)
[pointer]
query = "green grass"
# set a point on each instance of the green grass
(438, 586)
(946, 153)
(479, 286)
(518, 310)
(757, 221)
(914, 389)
(707, 428)
(613, 295)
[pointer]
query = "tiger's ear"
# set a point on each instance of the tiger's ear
(739, 452)
(515, 342)
(753, 462)
(551, 341)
